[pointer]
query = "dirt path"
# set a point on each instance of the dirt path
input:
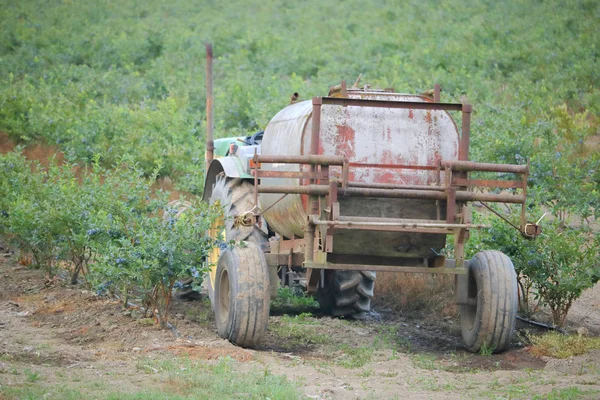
(59, 338)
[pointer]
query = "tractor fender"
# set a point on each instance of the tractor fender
(231, 166)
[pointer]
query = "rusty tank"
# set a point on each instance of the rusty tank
(382, 145)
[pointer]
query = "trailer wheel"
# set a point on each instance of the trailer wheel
(235, 196)
(488, 319)
(347, 293)
(241, 298)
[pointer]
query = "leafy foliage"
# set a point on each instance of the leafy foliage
(555, 268)
(109, 78)
(106, 223)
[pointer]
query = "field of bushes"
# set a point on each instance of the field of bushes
(118, 87)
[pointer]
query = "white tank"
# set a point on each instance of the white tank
(365, 136)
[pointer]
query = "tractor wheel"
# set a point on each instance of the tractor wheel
(235, 196)
(488, 319)
(347, 293)
(241, 298)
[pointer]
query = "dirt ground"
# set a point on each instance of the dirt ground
(68, 335)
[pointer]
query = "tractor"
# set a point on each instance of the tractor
(340, 187)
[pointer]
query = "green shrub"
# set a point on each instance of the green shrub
(109, 223)
(555, 268)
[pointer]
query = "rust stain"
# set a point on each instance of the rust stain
(428, 116)
(388, 158)
(411, 114)
(346, 141)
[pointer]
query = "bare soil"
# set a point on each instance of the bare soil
(68, 334)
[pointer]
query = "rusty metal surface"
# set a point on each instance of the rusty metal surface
(210, 144)
(288, 174)
(386, 268)
(390, 186)
(393, 223)
(393, 166)
(409, 102)
(465, 138)
(285, 137)
(477, 166)
(308, 159)
(488, 183)
(399, 136)
(323, 190)
(284, 259)
(382, 144)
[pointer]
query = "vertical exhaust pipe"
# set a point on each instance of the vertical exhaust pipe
(210, 144)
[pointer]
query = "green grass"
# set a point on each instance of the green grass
(354, 356)
(486, 350)
(290, 299)
(31, 376)
(175, 379)
(570, 393)
(299, 330)
(426, 361)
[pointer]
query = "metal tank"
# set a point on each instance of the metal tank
(383, 146)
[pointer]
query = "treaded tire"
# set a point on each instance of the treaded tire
(488, 320)
(242, 296)
(347, 293)
(235, 196)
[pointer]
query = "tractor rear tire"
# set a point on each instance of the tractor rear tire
(347, 293)
(235, 196)
(488, 319)
(242, 297)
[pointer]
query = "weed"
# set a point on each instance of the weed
(387, 337)
(428, 383)
(31, 376)
(425, 361)
(557, 345)
(486, 350)
(299, 330)
(288, 298)
(569, 393)
(354, 356)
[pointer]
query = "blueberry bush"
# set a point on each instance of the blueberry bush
(106, 223)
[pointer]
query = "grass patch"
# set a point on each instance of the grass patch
(354, 356)
(31, 376)
(426, 361)
(299, 330)
(569, 393)
(387, 337)
(557, 345)
(290, 299)
(176, 379)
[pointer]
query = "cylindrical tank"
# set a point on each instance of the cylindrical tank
(364, 135)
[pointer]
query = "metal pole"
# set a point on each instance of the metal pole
(436, 93)
(210, 144)
(463, 152)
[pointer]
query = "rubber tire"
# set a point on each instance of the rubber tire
(236, 196)
(492, 281)
(347, 293)
(242, 297)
